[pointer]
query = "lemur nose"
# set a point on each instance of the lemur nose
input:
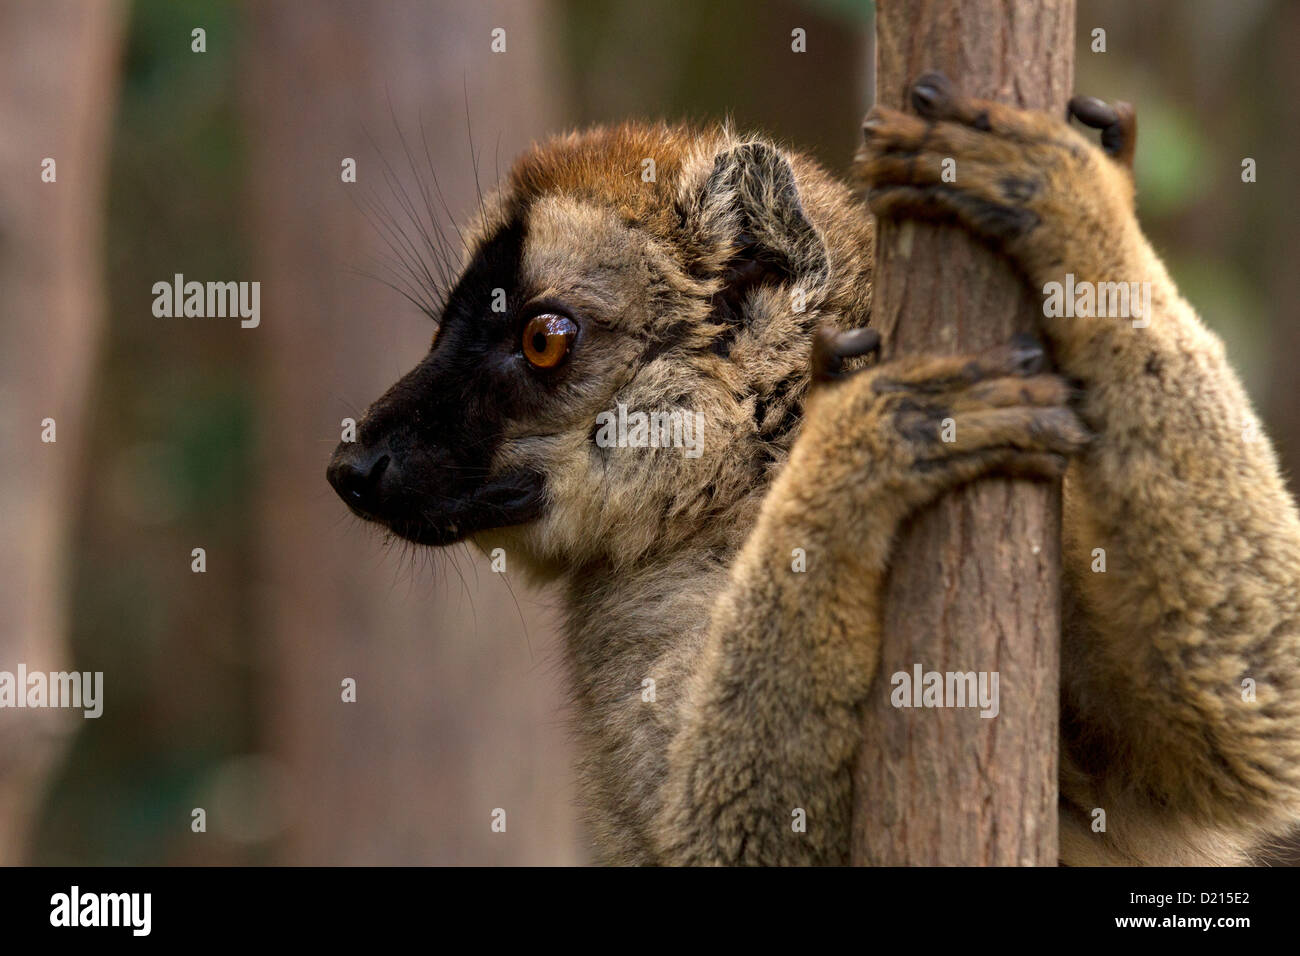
(355, 474)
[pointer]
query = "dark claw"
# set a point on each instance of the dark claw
(1027, 354)
(1092, 112)
(831, 347)
(870, 123)
(932, 95)
(1118, 125)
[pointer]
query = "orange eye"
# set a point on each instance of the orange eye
(547, 338)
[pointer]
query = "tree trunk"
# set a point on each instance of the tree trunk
(59, 61)
(975, 580)
(454, 716)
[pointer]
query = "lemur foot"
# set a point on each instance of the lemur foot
(1023, 180)
(939, 421)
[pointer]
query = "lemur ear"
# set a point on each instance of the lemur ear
(750, 206)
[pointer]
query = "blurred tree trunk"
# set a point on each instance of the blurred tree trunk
(454, 717)
(58, 74)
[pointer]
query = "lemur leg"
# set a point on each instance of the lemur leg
(770, 722)
(1181, 666)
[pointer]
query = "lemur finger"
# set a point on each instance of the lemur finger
(1033, 465)
(831, 347)
(1053, 429)
(886, 129)
(998, 221)
(901, 136)
(1118, 125)
(1013, 463)
(933, 166)
(1021, 357)
(1121, 140)
(934, 97)
(1038, 390)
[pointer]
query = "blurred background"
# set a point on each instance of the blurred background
(222, 688)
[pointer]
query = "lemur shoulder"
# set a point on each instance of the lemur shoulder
(704, 289)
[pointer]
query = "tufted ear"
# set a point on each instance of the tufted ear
(750, 206)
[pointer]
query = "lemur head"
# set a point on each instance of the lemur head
(653, 271)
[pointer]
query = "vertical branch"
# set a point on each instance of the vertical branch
(975, 579)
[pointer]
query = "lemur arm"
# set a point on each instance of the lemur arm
(769, 724)
(1201, 588)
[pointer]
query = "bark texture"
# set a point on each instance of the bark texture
(975, 580)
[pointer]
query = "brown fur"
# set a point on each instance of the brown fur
(679, 570)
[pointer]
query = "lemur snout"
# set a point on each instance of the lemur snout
(357, 474)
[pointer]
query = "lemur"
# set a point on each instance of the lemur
(707, 288)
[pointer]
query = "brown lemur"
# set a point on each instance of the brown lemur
(716, 687)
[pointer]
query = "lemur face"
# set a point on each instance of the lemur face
(422, 462)
(589, 288)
